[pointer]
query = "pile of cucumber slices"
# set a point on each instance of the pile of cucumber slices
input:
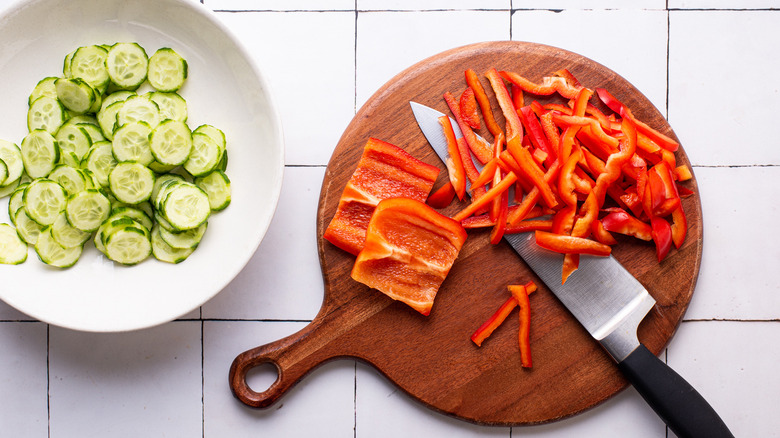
(108, 162)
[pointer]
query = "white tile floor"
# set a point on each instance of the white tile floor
(709, 64)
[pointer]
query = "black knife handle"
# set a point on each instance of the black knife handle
(683, 409)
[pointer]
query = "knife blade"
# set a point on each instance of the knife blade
(609, 303)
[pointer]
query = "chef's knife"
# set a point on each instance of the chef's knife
(610, 303)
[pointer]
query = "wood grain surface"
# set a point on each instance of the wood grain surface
(432, 358)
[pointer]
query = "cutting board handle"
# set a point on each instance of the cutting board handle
(293, 357)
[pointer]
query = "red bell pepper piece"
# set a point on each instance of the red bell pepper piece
(536, 133)
(484, 103)
(468, 108)
(454, 162)
(571, 245)
(518, 100)
(531, 171)
(521, 295)
(384, 171)
(479, 148)
(682, 173)
(477, 204)
(503, 209)
(618, 107)
(619, 221)
(442, 197)
(662, 236)
(548, 86)
(514, 128)
(408, 252)
(533, 196)
(601, 234)
(488, 327)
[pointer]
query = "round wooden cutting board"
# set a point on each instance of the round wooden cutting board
(432, 358)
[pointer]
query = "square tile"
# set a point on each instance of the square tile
(309, 61)
(735, 280)
(414, 36)
(23, 379)
(723, 4)
(421, 5)
(738, 377)
(322, 404)
(130, 384)
(587, 4)
(280, 5)
(646, 72)
(716, 126)
(283, 279)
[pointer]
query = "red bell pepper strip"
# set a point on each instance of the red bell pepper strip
(682, 173)
(618, 107)
(536, 133)
(518, 99)
(488, 172)
(571, 245)
(601, 234)
(503, 209)
(533, 196)
(499, 204)
(662, 236)
(530, 170)
(489, 326)
(548, 86)
(480, 149)
(442, 197)
(484, 103)
(477, 204)
(529, 225)
(514, 128)
(454, 162)
(384, 171)
(521, 295)
(408, 252)
(679, 227)
(485, 221)
(468, 108)
(619, 221)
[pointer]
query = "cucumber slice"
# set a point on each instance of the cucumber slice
(100, 161)
(89, 63)
(40, 153)
(93, 131)
(216, 134)
(159, 168)
(11, 155)
(163, 252)
(73, 139)
(131, 143)
(75, 94)
(217, 186)
(172, 105)
(171, 142)
(69, 178)
(131, 182)
(117, 96)
(16, 202)
(28, 229)
(88, 209)
(186, 206)
(107, 118)
(163, 189)
(44, 87)
(162, 179)
(167, 70)
(128, 245)
(189, 239)
(3, 170)
(54, 254)
(44, 200)
(204, 157)
(66, 63)
(46, 113)
(139, 109)
(7, 190)
(82, 119)
(136, 214)
(127, 65)
(66, 234)
(13, 250)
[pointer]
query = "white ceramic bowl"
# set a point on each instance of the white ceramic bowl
(225, 88)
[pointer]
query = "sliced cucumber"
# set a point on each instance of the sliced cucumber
(131, 182)
(44, 87)
(70, 178)
(93, 131)
(139, 109)
(117, 96)
(54, 254)
(11, 155)
(73, 139)
(10, 188)
(75, 94)
(128, 245)
(204, 157)
(186, 206)
(172, 105)
(28, 229)
(44, 200)
(217, 186)
(171, 142)
(131, 143)
(88, 209)
(189, 239)
(162, 179)
(16, 202)
(100, 161)
(127, 65)
(107, 118)
(167, 70)
(13, 250)
(3, 170)
(136, 214)
(66, 234)
(40, 153)
(159, 168)
(216, 134)
(89, 63)
(46, 113)
(163, 252)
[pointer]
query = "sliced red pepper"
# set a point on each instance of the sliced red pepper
(601, 234)
(488, 172)
(679, 227)
(408, 252)
(442, 197)
(548, 86)
(484, 103)
(518, 100)
(521, 295)
(454, 162)
(477, 204)
(571, 245)
(486, 329)
(468, 108)
(500, 228)
(536, 133)
(530, 170)
(619, 221)
(479, 148)
(514, 128)
(384, 171)
(533, 196)
(618, 107)
(682, 173)
(662, 236)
